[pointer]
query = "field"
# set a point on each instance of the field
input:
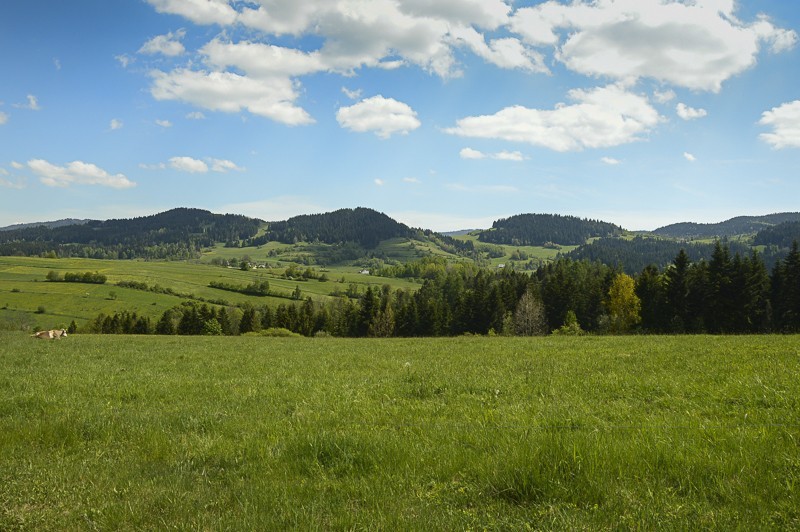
(249, 433)
(23, 288)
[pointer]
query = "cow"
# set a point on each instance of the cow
(48, 335)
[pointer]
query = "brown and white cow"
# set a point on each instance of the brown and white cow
(53, 333)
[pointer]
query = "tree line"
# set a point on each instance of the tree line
(724, 295)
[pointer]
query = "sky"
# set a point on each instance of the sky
(445, 114)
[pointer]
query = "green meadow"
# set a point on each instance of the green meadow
(251, 433)
(24, 289)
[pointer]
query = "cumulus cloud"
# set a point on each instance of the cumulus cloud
(601, 117)
(689, 157)
(689, 113)
(785, 123)
(195, 115)
(231, 93)
(164, 123)
(697, 44)
(115, 124)
(379, 182)
(169, 44)
(224, 166)
(197, 166)
(188, 164)
(664, 96)
(3, 118)
(198, 11)
(610, 161)
(77, 173)
(382, 116)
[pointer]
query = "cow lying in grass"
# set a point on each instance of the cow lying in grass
(53, 333)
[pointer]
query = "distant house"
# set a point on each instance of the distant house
(364, 272)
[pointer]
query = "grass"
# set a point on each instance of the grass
(23, 288)
(426, 434)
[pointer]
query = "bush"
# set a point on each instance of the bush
(40, 310)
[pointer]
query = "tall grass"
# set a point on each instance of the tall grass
(472, 433)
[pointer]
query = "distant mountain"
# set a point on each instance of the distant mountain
(58, 223)
(741, 225)
(539, 229)
(365, 227)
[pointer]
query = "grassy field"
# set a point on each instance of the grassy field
(23, 288)
(246, 433)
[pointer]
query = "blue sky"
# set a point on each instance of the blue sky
(444, 115)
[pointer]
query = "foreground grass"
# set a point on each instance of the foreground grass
(470, 433)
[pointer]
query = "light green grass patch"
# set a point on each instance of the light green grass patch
(435, 434)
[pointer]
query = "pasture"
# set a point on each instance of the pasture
(23, 288)
(120, 432)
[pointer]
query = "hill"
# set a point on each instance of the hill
(781, 235)
(365, 227)
(177, 233)
(541, 229)
(740, 225)
(57, 223)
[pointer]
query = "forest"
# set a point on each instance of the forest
(177, 234)
(365, 227)
(728, 294)
(541, 229)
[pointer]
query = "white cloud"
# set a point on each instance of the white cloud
(197, 166)
(380, 182)
(57, 63)
(689, 113)
(198, 11)
(602, 117)
(159, 166)
(610, 161)
(77, 173)
(17, 166)
(383, 116)
(506, 52)
(353, 95)
(124, 60)
(697, 44)
(785, 123)
(469, 153)
(411, 180)
(488, 14)
(169, 44)
(115, 124)
(195, 115)
(689, 157)
(224, 166)
(32, 104)
(3, 118)
(188, 164)
(164, 123)
(664, 96)
(231, 93)
(508, 156)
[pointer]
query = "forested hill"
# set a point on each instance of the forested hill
(539, 229)
(741, 225)
(57, 223)
(781, 235)
(175, 233)
(363, 226)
